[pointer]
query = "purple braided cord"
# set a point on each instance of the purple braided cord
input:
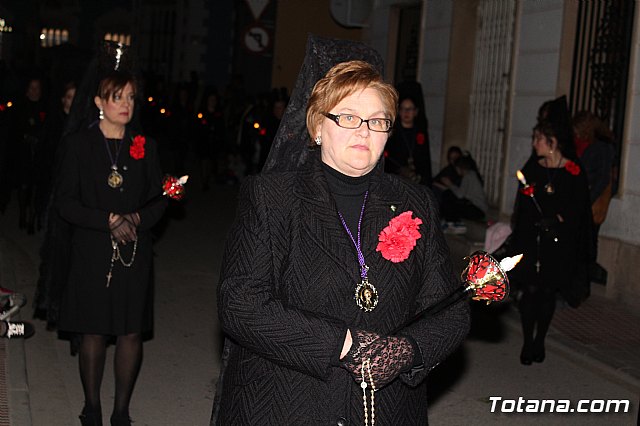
(363, 266)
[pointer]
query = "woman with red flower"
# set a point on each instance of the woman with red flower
(407, 151)
(553, 235)
(327, 257)
(109, 179)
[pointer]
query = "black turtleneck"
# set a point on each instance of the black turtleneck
(348, 193)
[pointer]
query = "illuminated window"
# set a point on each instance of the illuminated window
(53, 37)
(118, 38)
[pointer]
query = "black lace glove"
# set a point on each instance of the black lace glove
(133, 218)
(122, 230)
(388, 356)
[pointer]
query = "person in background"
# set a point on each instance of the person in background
(28, 125)
(449, 171)
(211, 138)
(467, 201)
(407, 152)
(46, 153)
(271, 123)
(594, 146)
(551, 227)
(181, 125)
(108, 190)
(303, 323)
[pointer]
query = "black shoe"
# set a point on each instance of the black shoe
(598, 274)
(538, 352)
(120, 420)
(526, 355)
(18, 330)
(90, 418)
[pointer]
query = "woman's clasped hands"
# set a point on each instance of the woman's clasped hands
(388, 356)
(123, 227)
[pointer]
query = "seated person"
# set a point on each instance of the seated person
(449, 171)
(466, 201)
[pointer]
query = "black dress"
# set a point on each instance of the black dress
(563, 249)
(407, 154)
(84, 199)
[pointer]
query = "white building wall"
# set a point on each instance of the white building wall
(434, 69)
(623, 220)
(537, 50)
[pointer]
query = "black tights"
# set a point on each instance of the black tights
(537, 306)
(127, 361)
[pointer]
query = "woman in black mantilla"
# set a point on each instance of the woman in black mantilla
(107, 189)
(407, 151)
(554, 236)
(328, 255)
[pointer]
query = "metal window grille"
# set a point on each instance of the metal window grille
(601, 64)
(489, 93)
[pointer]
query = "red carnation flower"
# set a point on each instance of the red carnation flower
(572, 168)
(528, 190)
(396, 241)
(420, 138)
(137, 147)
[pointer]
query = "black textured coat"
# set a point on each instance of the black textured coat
(285, 301)
(84, 199)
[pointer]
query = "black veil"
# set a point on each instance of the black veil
(291, 145)
(110, 57)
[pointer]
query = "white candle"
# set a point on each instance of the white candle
(508, 263)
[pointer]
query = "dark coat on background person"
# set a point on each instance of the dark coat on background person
(597, 160)
(84, 199)
(28, 125)
(407, 154)
(564, 246)
(285, 302)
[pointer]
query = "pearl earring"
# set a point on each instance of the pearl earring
(101, 115)
(318, 140)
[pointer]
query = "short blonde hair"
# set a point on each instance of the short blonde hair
(343, 80)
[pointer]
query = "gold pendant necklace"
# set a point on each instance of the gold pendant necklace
(549, 188)
(366, 295)
(115, 179)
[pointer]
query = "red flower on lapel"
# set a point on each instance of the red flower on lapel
(137, 147)
(396, 241)
(420, 138)
(572, 168)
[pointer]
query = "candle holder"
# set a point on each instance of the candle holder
(484, 279)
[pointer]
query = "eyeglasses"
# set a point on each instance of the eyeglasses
(350, 121)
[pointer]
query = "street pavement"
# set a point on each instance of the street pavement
(181, 362)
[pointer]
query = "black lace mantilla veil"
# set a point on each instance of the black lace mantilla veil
(56, 247)
(290, 147)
